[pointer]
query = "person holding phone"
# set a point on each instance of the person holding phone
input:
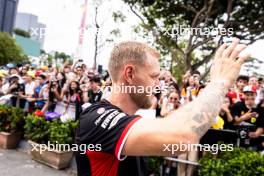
(54, 91)
(248, 112)
(72, 98)
(17, 89)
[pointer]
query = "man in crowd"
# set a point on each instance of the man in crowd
(38, 98)
(29, 90)
(248, 112)
(237, 94)
(123, 136)
(253, 80)
(95, 92)
(29, 84)
(18, 90)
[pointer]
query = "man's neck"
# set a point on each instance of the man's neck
(124, 102)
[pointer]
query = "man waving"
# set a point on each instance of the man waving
(125, 138)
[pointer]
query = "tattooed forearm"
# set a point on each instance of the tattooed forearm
(200, 113)
(200, 127)
(198, 118)
(209, 104)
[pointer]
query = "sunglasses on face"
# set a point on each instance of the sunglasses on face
(174, 98)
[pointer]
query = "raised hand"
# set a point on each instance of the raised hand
(227, 63)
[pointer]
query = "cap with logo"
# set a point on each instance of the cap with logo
(250, 88)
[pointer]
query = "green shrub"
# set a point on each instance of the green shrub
(62, 133)
(40, 130)
(36, 129)
(239, 162)
(11, 119)
(154, 165)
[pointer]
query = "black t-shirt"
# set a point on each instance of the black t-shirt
(95, 97)
(240, 108)
(105, 124)
(20, 88)
(227, 125)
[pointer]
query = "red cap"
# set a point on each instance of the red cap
(250, 88)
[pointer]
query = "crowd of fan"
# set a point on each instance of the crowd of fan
(73, 87)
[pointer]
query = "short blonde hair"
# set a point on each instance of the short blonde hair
(128, 52)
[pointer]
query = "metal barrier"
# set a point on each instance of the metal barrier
(182, 161)
(213, 136)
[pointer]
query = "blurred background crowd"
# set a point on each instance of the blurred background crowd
(64, 92)
(71, 88)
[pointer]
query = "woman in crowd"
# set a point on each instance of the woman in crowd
(226, 115)
(173, 87)
(61, 77)
(171, 104)
(54, 91)
(24, 71)
(192, 89)
(72, 98)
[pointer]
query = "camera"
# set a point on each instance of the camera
(15, 93)
(243, 134)
(244, 130)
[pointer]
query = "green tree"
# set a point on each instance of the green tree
(9, 50)
(61, 55)
(163, 18)
(54, 57)
(253, 67)
(21, 32)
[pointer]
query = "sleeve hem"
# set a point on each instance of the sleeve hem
(121, 141)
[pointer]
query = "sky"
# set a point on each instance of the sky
(63, 17)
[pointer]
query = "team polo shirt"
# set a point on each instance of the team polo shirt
(107, 127)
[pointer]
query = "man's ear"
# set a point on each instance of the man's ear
(129, 73)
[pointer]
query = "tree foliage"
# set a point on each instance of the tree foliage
(55, 57)
(163, 18)
(9, 50)
(61, 55)
(21, 32)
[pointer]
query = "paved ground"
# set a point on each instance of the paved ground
(18, 163)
